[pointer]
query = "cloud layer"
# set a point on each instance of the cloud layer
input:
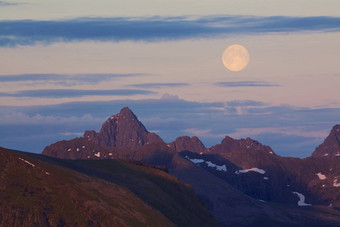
(63, 93)
(3, 3)
(245, 84)
(63, 79)
(150, 29)
(159, 85)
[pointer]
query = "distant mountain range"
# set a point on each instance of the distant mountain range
(240, 182)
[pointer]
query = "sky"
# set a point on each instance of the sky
(66, 66)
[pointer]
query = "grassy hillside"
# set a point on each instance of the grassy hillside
(34, 193)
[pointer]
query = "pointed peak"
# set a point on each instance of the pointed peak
(125, 110)
(227, 139)
(330, 146)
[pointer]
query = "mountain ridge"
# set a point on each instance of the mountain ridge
(244, 165)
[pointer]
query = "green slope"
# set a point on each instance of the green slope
(35, 193)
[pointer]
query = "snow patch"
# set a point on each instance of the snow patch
(47, 173)
(335, 183)
(69, 149)
(31, 164)
(194, 160)
(83, 147)
(217, 167)
(77, 149)
(97, 154)
(209, 163)
(301, 201)
(337, 154)
(270, 152)
(110, 154)
(266, 178)
(255, 169)
(321, 176)
(325, 155)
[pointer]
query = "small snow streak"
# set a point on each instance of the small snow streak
(335, 183)
(196, 161)
(97, 154)
(27, 162)
(219, 168)
(301, 201)
(255, 169)
(209, 163)
(321, 176)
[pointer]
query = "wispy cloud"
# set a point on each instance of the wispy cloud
(248, 103)
(203, 133)
(3, 3)
(287, 131)
(65, 80)
(19, 118)
(62, 93)
(159, 85)
(30, 32)
(245, 84)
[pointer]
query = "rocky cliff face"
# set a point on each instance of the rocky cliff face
(229, 144)
(331, 146)
(123, 130)
(185, 143)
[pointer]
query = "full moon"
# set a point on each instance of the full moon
(235, 58)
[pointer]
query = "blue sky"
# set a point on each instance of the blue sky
(68, 65)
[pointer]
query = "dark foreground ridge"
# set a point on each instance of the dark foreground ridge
(38, 190)
(241, 182)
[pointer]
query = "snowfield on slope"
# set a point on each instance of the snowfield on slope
(255, 169)
(301, 201)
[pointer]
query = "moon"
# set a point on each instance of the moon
(235, 58)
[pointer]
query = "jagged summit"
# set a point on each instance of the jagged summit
(123, 130)
(331, 145)
(185, 143)
(229, 144)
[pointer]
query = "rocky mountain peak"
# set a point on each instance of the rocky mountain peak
(229, 144)
(123, 130)
(331, 145)
(185, 143)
